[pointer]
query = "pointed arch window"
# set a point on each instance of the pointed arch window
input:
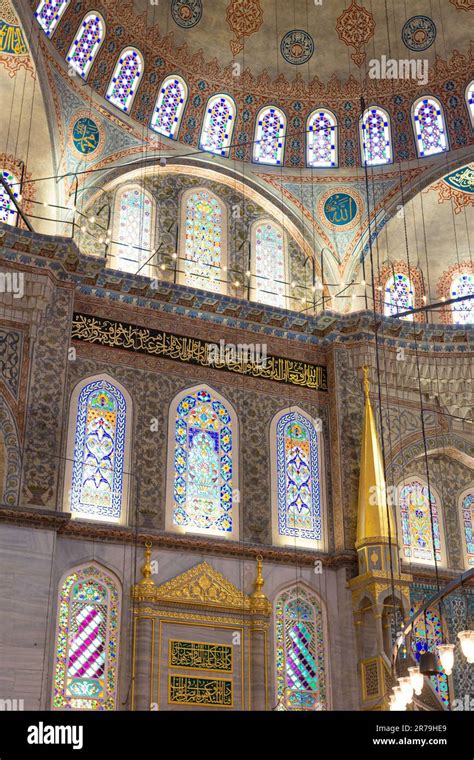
(467, 522)
(269, 263)
(301, 681)
(86, 44)
(321, 139)
(203, 232)
(133, 230)
(218, 125)
(416, 531)
(463, 311)
(49, 13)
(8, 212)
(87, 641)
(270, 132)
(125, 79)
(203, 464)
(470, 101)
(426, 636)
(170, 106)
(430, 128)
(399, 296)
(376, 137)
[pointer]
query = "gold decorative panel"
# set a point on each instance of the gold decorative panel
(208, 692)
(200, 655)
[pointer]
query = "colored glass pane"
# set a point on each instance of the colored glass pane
(468, 523)
(203, 230)
(169, 107)
(270, 265)
(429, 127)
(470, 100)
(425, 637)
(218, 125)
(463, 311)
(86, 44)
(399, 296)
(270, 136)
(376, 143)
(322, 140)
(124, 82)
(416, 523)
(133, 232)
(49, 13)
(8, 213)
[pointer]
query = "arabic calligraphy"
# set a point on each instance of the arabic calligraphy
(107, 332)
(200, 655)
(11, 39)
(188, 690)
(340, 209)
(462, 179)
(85, 135)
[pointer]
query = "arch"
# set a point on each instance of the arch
(469, 95)
(125, 79)
(270, 134)
(10, 464)
(429, 125)
(296, 484)
(87, 640)
(399, 285)
(426, 635)
(466, 519)
(413, 513)
(133, 225)
(375, 137)
(218, 124)
(203, 464)
(321, 139)
(170, 106)
(97, 472)
(399, 296)
(269, 263)
(203, 240)
(456, 282)
(49, 13)
(86, 44)
(8, 212)
(301, 657)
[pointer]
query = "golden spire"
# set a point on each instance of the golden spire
(372, 522)
(258, 600)
(147, 581)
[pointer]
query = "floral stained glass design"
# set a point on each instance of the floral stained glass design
(203, 464)
(298, 487)
(134, 233)
(169, 107)
(399, 296)
(376, 144)
(8, 213)
(468, 522)
(85, 674)
(300, 658)
(322, 140)
(270, 137)
(203, 249)
(425, 637)
(429, 127)
(416, 523)
(49, 13)
(463, 311)
(218, 125)
(470, 100)
(270, 265)
(124, 82)
(86, 44)
(99, 446)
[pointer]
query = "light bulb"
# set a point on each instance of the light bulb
(400, 703)
(293, 284)
(236, 284)
(174, 256)
(247, 273)
(446, 655)
(416, 679)
(407, 688)
(92, 219)
(467, 644)
(363, 283)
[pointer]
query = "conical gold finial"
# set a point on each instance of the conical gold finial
(365, 370)
(258, 600)
(146, 569)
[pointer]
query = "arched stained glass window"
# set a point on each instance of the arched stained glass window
(467, 515)
(399, 296)
(204, 464)
(463, 311)
(87, 641)
(430, 129)
(426, 636)
(170, 106)
(415, 519)
(8, 212)
(218, 125)
(300, 651)
(376, 139)
(49, 13)
(133, 230)
(269, 263)
(204, 241)
(322, 139)
(125, 79)
(86, 44)
(97, 482)
(270, 136)
(470, 101)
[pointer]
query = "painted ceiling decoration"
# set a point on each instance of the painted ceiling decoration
(356, 27)
(457, 187)
(297, 47)
(186, 13)
(419, 33)
(14, 53)
(245, 17)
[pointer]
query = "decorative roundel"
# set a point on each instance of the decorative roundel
(340, 209)
(297, 46)
(419, 33)
(186, 13)
(85, 135)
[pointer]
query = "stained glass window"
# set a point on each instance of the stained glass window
(99, 448)
(203, 227)
(87, 641)
(468, 522)
(133, 230)
(125, 79)
(86, 44)
(268, 255)
(425, 637)
(298, 486)
(376, 140)
(463, 311)
(322, 139)
(416, 524)
(430, 129)
(399, 296)
(170, 106)
(470, 100)
(300, 656)
(270, 136)
(218, 125)
(49, 13)
(8, 213)
(203, 464)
